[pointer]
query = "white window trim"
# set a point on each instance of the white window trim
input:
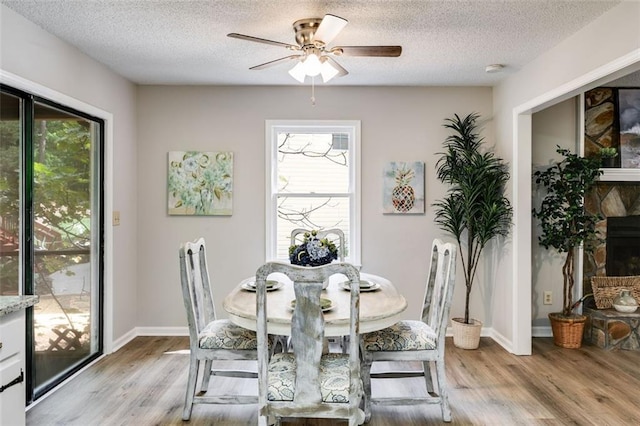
(272, 127)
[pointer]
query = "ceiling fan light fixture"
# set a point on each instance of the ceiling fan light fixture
(315, 56)
(327, 71)
(298, 72)
(312, 65)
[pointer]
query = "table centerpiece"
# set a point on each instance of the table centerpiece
(313, 251)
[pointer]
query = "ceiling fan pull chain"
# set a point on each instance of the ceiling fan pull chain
(313, 91)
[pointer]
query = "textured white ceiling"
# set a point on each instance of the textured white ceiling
(445, 42)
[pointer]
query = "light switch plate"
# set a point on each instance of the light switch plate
(116, 218)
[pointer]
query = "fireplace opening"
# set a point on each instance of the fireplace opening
(623, 246)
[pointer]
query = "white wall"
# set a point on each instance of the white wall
(609, 43)
(34, 55)
(401, 123)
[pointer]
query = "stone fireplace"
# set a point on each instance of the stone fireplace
(623, 246)
(618, 253)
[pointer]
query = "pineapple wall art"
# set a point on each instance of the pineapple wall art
(403, 191)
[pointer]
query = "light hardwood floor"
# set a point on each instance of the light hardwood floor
(143, 384)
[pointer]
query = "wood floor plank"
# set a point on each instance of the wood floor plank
(144, 382)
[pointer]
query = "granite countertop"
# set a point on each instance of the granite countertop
(10, 304)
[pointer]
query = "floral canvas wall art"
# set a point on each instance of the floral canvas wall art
(403, 191)
(200, 183)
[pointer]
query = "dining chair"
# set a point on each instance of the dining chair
(417, 340)
(332, 234)
(211, 339)
(308, 382)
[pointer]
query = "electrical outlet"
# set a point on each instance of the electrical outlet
(116, 218)
(547, 298)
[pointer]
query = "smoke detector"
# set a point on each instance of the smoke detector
(493, 68)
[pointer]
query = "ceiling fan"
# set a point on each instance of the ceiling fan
(314, 56)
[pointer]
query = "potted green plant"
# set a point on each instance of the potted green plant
(565, 225)
(475, 209)
(608, 155)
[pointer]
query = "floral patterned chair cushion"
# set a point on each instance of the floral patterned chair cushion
(408, 335)
(334, 377)
(223, 334)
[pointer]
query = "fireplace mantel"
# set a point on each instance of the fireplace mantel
(620, 175)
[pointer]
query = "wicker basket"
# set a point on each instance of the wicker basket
(567, 332)
(466, 336)
(605, 289)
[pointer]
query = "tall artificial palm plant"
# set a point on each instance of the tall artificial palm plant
(475, 209)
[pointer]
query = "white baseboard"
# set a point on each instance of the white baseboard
(148, 331)
(501, 340)
(541, 331)
(123, 340)
(162, 331)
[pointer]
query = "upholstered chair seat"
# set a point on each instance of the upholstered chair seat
(223, 334)
(407, 335)
(334, 374)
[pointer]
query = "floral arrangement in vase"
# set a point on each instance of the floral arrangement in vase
(313, 251)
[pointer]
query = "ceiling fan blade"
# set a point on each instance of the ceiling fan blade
(341, 71)
(330, 26)
(384, 51)
(263, 40)
(274, 62)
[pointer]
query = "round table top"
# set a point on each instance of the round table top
(378, 309)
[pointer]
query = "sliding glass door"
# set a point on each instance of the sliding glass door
(59, 249)
(11, 255)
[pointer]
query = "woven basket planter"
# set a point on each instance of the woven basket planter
(466, 336)
(567, 331)
(605, 289)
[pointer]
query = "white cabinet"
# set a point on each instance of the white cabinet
(12, 339)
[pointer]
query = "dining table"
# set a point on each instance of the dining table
(381, 305)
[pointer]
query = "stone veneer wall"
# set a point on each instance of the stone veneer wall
(609, 199)
(601, 128)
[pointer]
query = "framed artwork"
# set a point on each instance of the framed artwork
(629, 119)
(200, 183)
(403, 188)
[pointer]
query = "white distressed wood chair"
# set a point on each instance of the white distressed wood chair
(417, 340)
(210, 338)
(307, 382)
(332, 235)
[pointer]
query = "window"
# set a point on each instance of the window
(313, 182)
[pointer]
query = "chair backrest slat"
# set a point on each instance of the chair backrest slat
(307, 336)
(196, 288)
(440, 285)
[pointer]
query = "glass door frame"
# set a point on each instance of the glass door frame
(27, 214)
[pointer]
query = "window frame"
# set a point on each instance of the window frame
(272, 128)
